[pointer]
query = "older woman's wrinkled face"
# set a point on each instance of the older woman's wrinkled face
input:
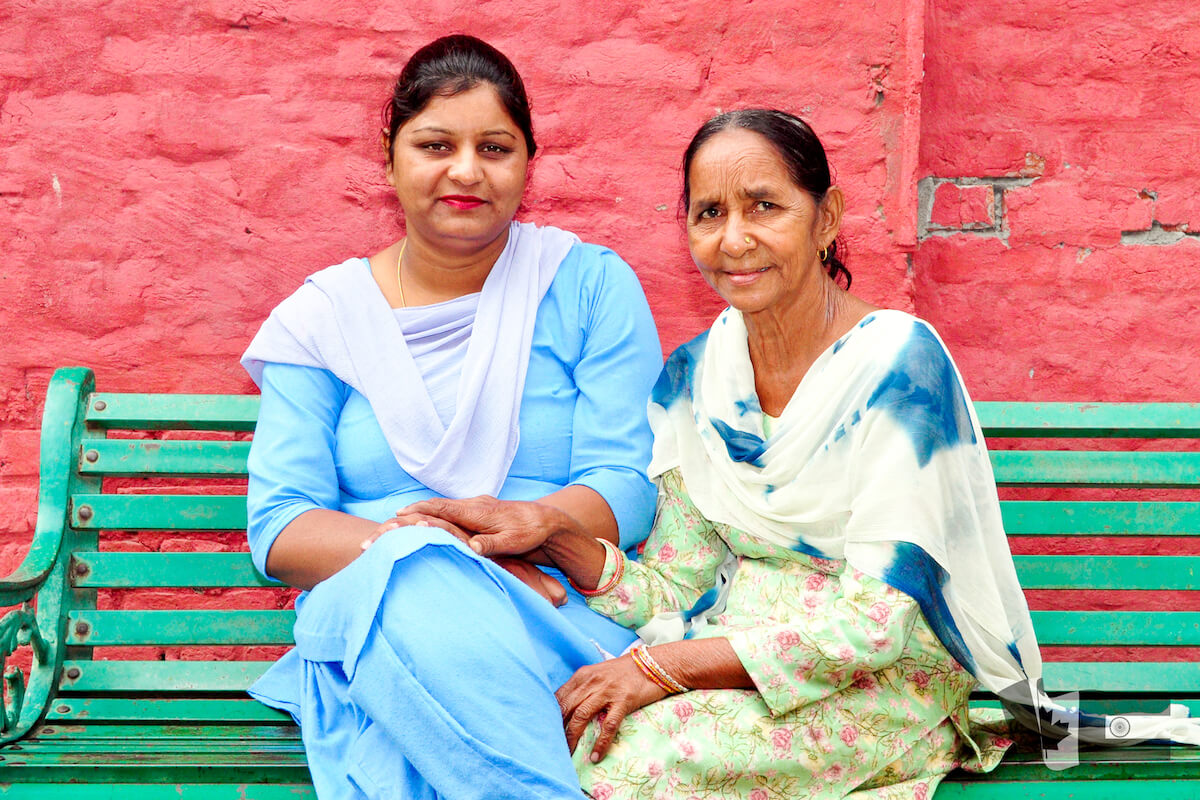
(754, 233)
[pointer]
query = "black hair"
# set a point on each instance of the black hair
(796, 144)
(451, 65)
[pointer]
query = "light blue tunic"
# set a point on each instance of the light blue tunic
(421, 630)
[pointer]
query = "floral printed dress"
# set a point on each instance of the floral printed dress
(856, 697)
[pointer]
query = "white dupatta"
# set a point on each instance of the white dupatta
(339, 321)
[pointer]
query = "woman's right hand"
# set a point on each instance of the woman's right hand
(402, 520)
(524, 571)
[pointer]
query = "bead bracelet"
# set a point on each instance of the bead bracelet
(618, 573)
(646, 663)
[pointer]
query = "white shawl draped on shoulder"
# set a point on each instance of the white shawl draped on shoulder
(339, 321)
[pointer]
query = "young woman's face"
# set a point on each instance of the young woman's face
(459, 169)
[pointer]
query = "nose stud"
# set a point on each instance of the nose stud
(749, 240)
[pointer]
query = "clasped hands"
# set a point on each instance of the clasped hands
(511, 533)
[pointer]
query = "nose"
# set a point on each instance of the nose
(465, 168)
(735, 238)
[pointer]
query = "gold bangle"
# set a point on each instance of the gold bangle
(654, 671)
(618, 572)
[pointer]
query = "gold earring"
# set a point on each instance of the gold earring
(824, 254)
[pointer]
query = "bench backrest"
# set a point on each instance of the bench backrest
(140, 541)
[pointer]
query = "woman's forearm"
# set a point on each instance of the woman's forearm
(315, 545)
(588, 508)
(703, 664)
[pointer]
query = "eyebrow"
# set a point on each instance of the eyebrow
(759, 193)
(448, 132)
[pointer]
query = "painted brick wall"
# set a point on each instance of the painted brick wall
(1060, 211)
(170, 171)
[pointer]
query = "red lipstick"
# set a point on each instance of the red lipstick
(462, 201)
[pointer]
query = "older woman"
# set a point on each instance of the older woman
(475, 356)
(827, 576)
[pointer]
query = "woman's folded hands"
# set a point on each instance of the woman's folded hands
(509, 532)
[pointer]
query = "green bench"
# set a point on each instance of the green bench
(140, 620)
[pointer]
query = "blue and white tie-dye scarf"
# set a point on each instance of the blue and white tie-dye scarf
(877, 459)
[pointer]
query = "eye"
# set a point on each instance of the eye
(712, 212)
(764, 205)
(495, 149)
(435, 147)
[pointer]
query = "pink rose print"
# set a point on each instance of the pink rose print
(1002, 741)
(815, 582)
(624, 596)
(781, 738)
(654, 768)
(833, 773)
(759, 794)
(666, 553)
(864, 679)
(880, 612)
(687, 749)
(921, 678)
(787, 639)
(683, 710)
(849, 735)
(845, 652)
(921, 791)
(602, 791)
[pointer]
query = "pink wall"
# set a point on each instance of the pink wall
(169, 173)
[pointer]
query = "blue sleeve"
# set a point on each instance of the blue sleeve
(620, 360)
(291, 458)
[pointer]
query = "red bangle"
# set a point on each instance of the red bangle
(618, 573)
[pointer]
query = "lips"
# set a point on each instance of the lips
(462, 201)
(743, 278)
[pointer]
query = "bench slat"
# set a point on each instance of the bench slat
(173, 790)
(1181, 678)
(1110, 518)
(1107, 628)
(162, 676)
(117, 570)
(152, 457)
(1108, 572)
(159, 512)
(1095, 468)
(105, 709)
(96, 628)
(285, 732)
(1089, 420)
(197, 412)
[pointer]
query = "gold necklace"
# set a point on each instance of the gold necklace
(399, 283)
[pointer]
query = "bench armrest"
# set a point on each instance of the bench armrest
(62, 417)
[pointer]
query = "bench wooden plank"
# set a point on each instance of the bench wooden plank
(183, 627)
(138, 457)
(1089, 420)
(1107, 628)
(1179, 678)
(161, 676)
(119, 570)
(161, 791)
(1097, 468)
(200, 412)
(1108, 572)
(158, 512)
(75, 710)
(1108, 518)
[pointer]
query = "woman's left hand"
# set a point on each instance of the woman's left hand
(608, 692)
